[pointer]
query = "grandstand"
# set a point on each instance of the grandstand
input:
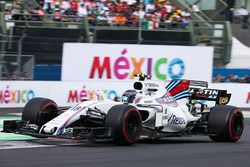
(34, 37)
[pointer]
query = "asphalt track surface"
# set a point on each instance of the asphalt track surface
(169, 152)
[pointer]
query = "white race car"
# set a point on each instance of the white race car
(142, 112)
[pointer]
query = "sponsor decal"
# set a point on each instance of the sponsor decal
(148, 101)
(124, 67)
(8, 96)
(165, 117)
(151, 85)
(167, 100)
(137, 100)
(178, 89)
(209, 92)
(173, 119)
(76, 96)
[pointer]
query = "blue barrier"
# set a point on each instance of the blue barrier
(47, 72)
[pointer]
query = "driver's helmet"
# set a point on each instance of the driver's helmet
(128, 96)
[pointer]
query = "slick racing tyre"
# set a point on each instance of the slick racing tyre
(126, 122)
(225, 123)
(39, 111)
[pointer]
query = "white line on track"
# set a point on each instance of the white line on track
(6, 145)
(23, 146)
(246, 114)
(14, 114)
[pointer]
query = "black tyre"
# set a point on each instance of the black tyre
(127, 123)
(39, 111)
(225, 123)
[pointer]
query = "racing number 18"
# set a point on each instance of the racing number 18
(76, 108)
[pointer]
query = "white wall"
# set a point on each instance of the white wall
(240, 55)
(17, 93)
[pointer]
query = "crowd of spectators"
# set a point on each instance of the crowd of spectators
(218, 78)
(150, 14)
(239, 16)
(17, 11)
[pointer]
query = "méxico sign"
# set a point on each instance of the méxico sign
(18, 93)
(113, 62)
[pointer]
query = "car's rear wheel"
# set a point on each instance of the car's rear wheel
(39, 111)
(225, 123)
(126, 122)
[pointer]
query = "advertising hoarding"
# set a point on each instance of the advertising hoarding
(116, 62)
(18, 93)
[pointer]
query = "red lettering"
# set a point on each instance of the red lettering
(248, 98)
(96, 66)
(72, 96)
(1, 97)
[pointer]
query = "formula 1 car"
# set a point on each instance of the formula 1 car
(142, 112)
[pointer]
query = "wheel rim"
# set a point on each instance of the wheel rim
(237, 125)
(48, 113)
(132, 126)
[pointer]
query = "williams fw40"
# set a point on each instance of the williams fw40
(149, 110)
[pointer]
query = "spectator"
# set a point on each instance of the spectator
(32, 14)
(244, 15)
(117, 12)
(57, 15)
(217, 79)
(186, 18)
(16, 11)
(102, 19)
(38, 14)
(119, 19)
(65, 6)
(8, 12)
(82, 10)
(138, 12)
(153, 21)
(48, 6)
(195, 6)
(8, 15)
(73, 7)
(150, 6)
(243, 11)
(125, 6)
(23, 76)
(244, 79)
(131, 2)
(14, 76)
(167, 6)
(236, 15)
(231, 78)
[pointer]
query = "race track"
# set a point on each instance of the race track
(171, 152)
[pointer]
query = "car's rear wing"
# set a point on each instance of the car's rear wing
(219, 96)
(196, 90)
(198, 83)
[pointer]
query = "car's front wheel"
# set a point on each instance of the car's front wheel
(126, 122)
(39, 111)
